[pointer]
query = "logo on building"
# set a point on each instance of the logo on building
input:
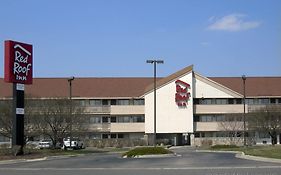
(182, 95)
(18, 62)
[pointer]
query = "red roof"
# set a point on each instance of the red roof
(255, 86)
(82, 87)
(132, 87)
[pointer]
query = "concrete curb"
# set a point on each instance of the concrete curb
(242, 155)
(2, 162)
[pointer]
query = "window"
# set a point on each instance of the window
(138, 101)
(208, 134)
(113, 136)
(206, 118)
(120, 136)
(221, 101)
(220, 118)
(95, 136)
(230, 101)
(238, 101)
(105, 136)
(197, 134)
(82, 102)
(138, 119)
(95, 103)
(124, 119)
(196, 118)
(113, 102)
(196, 101)
(264, 101)
(113, 119)
(105, 119)
(123, 102)
(105, 102)
(95, 119)
(273, 100)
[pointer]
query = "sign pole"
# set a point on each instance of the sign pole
(18, 70)
(18, 119)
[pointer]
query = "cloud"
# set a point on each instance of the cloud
(232, 23)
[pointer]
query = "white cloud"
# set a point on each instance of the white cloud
(233, 23)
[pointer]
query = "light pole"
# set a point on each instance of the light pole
(70, 109)
(244, 112)
(154, 62)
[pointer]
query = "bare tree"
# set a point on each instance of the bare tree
(6, 118)
(232, 125)
(266, 119)
(56, 118)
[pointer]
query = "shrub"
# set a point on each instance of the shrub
(146, 151)
(224, 146)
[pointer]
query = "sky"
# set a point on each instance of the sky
(114, 38)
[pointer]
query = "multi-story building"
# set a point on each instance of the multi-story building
(191, 108)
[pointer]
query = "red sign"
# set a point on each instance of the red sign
(182, 95)
(18, 62)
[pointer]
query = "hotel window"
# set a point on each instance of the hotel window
(206, 118)
(196, 118)
(279, 100)
(238, 101)
(138, 101)
(123, 102)
(95, 102)
(138, 119)
(113, 136)
(105, 119)
(95, 119)
(220, 118)
(95, 136)
(221, 101)
(105, 136)
(230, 101)
(105, 102)
(82, 102)
(113, 102)
(113, 119)
(264, 101)
(120, 136)
(124, 119)
(273, 101)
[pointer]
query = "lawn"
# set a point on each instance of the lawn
(6, 153)
(262, 151)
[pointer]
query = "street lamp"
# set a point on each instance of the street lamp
(154, 62)
(244, 98)
(70, 98)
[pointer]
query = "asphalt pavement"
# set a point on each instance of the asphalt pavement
(187, 161)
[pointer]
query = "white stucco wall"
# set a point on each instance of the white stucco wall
(205, 90)
(170, 117)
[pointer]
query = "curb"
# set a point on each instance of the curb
(242, 155)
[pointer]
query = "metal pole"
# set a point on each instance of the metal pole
(244, 112)
(70, 98)
(154, 139)
(154, 62)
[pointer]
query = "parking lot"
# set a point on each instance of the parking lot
(187, 161)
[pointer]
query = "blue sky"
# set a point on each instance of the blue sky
(114, 38)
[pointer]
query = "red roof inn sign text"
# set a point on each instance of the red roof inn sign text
(182, 95)
(18, 62)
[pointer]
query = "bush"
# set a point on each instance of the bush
(224, 146)
(146, 151)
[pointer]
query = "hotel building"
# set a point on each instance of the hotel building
(191, 109)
